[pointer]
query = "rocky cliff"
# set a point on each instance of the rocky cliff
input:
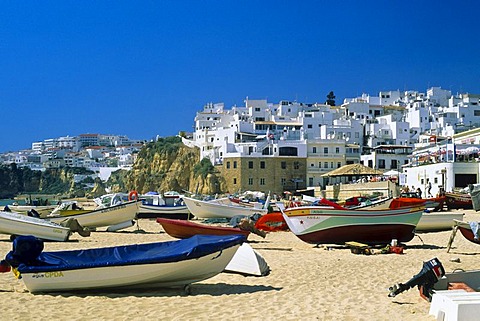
(168, 165)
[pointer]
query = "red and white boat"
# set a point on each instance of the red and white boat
(328, 225)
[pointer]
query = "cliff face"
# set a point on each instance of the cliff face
(15, 181)
(165, 167)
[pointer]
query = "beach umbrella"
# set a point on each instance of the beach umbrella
(353, 170)
(391, 173)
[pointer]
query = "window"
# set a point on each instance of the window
(234, 181)
(339, 165)
(257, 109)
(296, 165)
(337, 150)
(319, 164)
(381, 163)
(234, 164)
(250, 181)
(331, 164)
(325, 165)
(283, 165)
(262, 181)
(228, 165)
(310, 181)
(283, 181)
(325, 150)
(250, 164)
(309, 126)
(262, 164)
(393, 164)
(476, 113)
(314, 150)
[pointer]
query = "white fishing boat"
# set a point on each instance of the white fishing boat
(438, 221)
(19, 224)
(163, 264)
(42, 210)
(221, 209)
(167, 205)
(121, 215)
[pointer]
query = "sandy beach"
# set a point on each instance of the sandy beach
(305, 283)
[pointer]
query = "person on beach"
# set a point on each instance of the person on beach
(419, 192)
(429, 189)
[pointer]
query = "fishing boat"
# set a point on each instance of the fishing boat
(221, 209)
(271, 222)
(469, 230)
(411, 199)
(184, 229)
(438, 221)
(456, 200)
(42, 210)
(66, 208)
(164, 264)
(19, 224)
(168, 205)
(119, 215)
(328, 225)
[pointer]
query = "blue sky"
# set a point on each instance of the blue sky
(144, 68)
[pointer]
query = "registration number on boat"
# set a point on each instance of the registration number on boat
(54, 274)
(108, 209)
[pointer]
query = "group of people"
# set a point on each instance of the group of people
(419, 191)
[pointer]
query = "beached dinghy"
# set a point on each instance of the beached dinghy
(469, 230)
(220, 209)
(438, 221)
(183, 229)
(165, 264)
(19, 224)
(121, 214)
(328, 225)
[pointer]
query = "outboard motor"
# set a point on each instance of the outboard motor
(33, 213)
(432, 270)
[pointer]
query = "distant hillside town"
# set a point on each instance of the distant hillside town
(430, 138)
(97, 152)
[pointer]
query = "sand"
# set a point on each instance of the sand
(305, 283)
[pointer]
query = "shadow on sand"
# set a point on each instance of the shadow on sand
(190, 290)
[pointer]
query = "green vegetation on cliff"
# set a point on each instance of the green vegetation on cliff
(16, 180)
(167, 165)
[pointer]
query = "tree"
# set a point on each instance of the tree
(330, 99)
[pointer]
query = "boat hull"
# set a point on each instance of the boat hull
(160, 264)
(458, 201)
(43, 211)
(436, 222)
(318, 225)
(184, 229)
(212, 209)
(467, 232)
(172, 274)
(104, 216)
(19, 224)
(179, 212)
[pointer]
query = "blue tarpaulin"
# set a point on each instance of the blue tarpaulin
(162, 252)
